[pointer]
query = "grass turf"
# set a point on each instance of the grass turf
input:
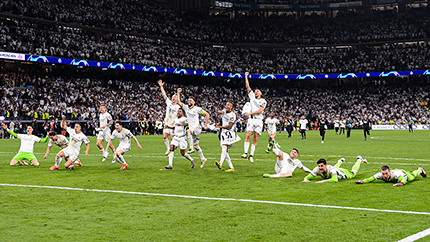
(43, 214)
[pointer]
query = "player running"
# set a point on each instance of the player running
(285, 164)
(271, 123)
(192, 112)
(171, 113)
(322, 124)
(124, 146)
(104, 132)
(334, 173)
(27, 147)
(227, 136)
(179, 139)
(60, 141)
(398, 176)
(255, 119)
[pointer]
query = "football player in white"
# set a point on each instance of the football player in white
(271, 123)
(255, 119)
(171, 113)
(71, 152)
(192, 112)
(179, 139)
(285, 163)
(104, 131)
(60, 141)
(227, 136)
(124, 146)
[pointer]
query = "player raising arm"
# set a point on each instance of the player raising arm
(71, 152)
(285, 164)
(192, 112)
(60, 141)
(171, 113)
(398, 176)
(255, 119)
(227, 136)
(27, 147)
(334, 173)
(124, 146)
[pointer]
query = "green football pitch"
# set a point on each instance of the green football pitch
(99, 202)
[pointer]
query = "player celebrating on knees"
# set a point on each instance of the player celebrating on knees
(285, 164)
(104, 132)
(227, 136)
(271, 123)
(255, 119)
(124, 146)
(192, 112)
(27, 146)
(179, 139)
(334, 173)
(171, 113)
(71, 152)
(59, 140)
(398, 176)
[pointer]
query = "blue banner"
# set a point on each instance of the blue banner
(109, 65)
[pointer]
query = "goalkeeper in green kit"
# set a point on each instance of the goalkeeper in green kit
(398, 176)
(27, 146)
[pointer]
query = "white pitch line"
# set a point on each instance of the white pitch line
(416, 236)
(220, 199)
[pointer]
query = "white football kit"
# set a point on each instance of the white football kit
(228, 136)
(171, 114)
(124, 139)
(179, 133)
(193, 121)
(271, 125)
(255, 121)
(74, 148)
(287, 164)
(303, 124)
(61, 142)
(104, 133)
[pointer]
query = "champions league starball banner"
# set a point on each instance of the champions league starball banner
(110, 65)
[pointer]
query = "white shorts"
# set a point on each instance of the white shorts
(70, 154)
(104, 135)
(167, 130)
(195, 134)
(283, 166)
(123, 147)
(229, 138)
(179, 142)
(254, 125)
(270, 132)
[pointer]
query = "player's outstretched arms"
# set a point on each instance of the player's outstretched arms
(248, 89)
(178, 97)
(161, 84)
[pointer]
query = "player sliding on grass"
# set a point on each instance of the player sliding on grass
(71, 152)
(179, 139)
(124, 146)
(398, 176)
(285, 164)
(27, 146)
(227, 136)
(60, 141)
(334, 173)
(255, 119)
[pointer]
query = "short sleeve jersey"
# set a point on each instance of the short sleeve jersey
(228, 118)
(193, 116)
(271, 123)
(27, 142)
(256, 104)
(104, 119)
(123, 136)
(61, 142)
(180, 129)
(171, 113)
(76, 140)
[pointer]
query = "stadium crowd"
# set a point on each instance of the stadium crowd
(152, 19)
(26, 96)
(50, 40)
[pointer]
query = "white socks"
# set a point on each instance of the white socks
(171, 158)
(200, 152)
(166, 143)
(252, 150)
(225, 156)
(58, 160)
(246, 147)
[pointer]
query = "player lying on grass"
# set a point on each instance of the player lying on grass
(227, 135)
(285, 164)
(179, 139)
(27, 146)
(71, 152)
(60, 141)
(124, 146)
(334, 173)
(398, 176)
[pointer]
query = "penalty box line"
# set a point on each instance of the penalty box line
(416, 236)
(219, 199)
